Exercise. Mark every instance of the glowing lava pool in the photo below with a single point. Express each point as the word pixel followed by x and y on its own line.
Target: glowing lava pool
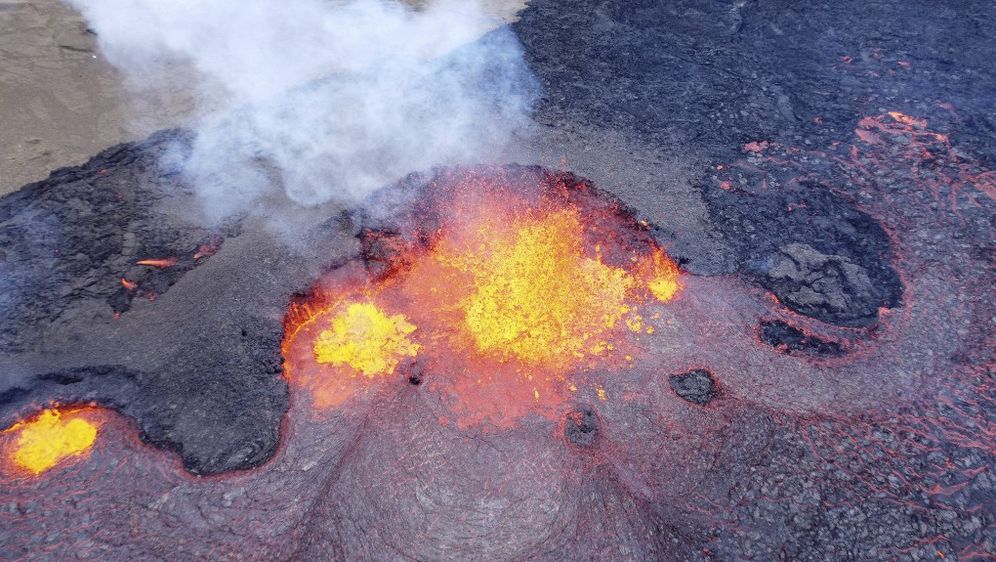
pixel 53 437
pixel 529 281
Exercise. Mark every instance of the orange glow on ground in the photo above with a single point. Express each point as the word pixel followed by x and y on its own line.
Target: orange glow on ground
pixel 515 297
pixel 52 437
pixel 908 120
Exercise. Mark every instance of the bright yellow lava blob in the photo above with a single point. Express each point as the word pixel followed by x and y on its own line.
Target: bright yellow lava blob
pixel 664 284
pixel 536 296
pixel 48 439
pixel 366 339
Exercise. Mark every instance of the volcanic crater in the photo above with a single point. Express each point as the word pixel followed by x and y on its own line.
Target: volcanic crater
pixel 784 353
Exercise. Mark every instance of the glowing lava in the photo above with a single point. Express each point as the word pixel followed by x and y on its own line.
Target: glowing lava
pixel 51 437
pixel 158 263
pixel 366 339
pixel 663 277
pixel 534 296
pixel 518 289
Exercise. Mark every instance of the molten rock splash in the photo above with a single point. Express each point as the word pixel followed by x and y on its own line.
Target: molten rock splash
pixel 503 284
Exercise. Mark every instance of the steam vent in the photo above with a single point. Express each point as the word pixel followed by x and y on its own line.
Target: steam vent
pixel 575 280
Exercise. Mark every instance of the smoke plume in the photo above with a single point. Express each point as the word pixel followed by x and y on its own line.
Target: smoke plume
pixel 326 100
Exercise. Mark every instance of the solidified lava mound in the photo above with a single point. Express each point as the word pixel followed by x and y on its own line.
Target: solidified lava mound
pixel 696 386
pixel 93 236
pixel 789 339
pixel 825 259
pixel 581 427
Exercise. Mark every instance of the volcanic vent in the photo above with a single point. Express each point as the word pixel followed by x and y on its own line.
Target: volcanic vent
pixel 501 288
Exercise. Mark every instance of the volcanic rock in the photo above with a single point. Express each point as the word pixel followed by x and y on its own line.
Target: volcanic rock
pixel 581 427
pixel 908 478
pixel 718 74
pixel 378 248
pixel 70 269
pixel 816 284
pixel 696 386
pixel 789 339
pixel 72 241
pixel 825 258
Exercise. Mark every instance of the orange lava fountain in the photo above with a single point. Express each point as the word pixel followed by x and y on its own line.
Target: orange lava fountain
pixel 513 295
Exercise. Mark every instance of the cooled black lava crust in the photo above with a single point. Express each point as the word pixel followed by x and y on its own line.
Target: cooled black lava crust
pixel 714 75
pixel 68 245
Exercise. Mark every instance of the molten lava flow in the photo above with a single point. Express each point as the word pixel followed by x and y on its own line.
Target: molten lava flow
pixel 516 295
pixel 534 296
pixel 366 339
pixel 908 120
pixel 158 263
pixel 53 436
pixel 208 248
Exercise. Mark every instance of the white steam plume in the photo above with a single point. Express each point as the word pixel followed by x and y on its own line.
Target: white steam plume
pixel 338 97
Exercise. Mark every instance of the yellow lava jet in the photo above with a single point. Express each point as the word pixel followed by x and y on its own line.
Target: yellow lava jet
pixel 518 291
